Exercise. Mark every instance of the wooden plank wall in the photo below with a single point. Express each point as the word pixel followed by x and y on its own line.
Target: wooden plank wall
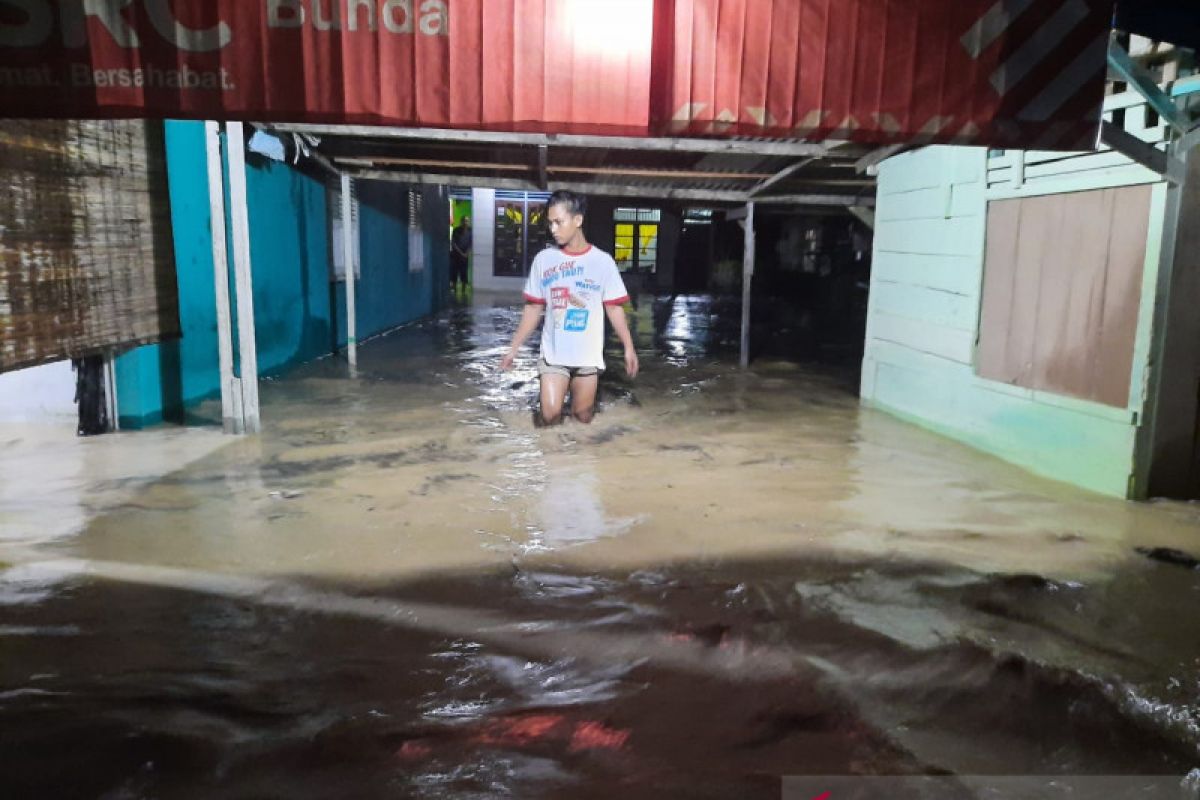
pixel 1062 290
pixel 926 286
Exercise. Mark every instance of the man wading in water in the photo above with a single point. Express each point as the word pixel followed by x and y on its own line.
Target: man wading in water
pixel 576 282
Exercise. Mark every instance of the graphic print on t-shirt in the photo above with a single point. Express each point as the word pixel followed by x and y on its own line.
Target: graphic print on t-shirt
pixel 570 310
pixel 576 320
pixel 559 298
pixel 575 287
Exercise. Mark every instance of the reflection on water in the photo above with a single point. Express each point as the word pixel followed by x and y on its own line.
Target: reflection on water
pixel 405 589
pixel 570 510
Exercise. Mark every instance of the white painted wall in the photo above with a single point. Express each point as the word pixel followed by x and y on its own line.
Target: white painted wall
pixel 483 227
pixel 39 394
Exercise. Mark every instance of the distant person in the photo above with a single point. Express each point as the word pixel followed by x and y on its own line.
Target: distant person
pixel 460 251
pixel 576 281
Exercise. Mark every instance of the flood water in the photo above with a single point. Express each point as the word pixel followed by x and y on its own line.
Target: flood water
pixel 404 589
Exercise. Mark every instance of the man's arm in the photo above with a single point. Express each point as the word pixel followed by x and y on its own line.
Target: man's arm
pixel 616 315
pixel 529 322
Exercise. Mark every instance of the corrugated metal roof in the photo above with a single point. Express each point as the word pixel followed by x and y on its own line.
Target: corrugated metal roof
pixel 678 169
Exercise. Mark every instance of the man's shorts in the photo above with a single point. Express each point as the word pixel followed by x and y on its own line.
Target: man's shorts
pixel 566 372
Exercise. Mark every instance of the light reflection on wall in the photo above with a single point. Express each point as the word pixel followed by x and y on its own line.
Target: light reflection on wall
pixel 614 28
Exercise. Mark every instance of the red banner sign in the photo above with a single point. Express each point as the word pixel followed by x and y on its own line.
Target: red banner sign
pixel 1011 72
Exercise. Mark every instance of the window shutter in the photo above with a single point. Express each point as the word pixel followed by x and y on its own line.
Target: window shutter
pixel 416 231
pixel 337 260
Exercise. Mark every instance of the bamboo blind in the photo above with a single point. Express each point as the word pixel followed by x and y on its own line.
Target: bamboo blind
pixel 86 260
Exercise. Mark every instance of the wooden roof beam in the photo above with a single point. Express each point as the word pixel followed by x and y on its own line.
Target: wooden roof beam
pixel 553 168
pixel 610 189
pixel 794 149
pixel 782 174
pixel 518 184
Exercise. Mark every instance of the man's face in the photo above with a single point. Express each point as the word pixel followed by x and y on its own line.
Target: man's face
pixel 563 224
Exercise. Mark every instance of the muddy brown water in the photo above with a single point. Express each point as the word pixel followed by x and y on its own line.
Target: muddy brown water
pixel 404 589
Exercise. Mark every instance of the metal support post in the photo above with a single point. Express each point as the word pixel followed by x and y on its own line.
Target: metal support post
pixel 351 267
pixel 243 276
pixel 110 391
pixel 747 280
pixel 216 199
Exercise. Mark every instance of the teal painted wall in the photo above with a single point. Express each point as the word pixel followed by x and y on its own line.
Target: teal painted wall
pixel 298 312
pixel 160 381
pixel 923 320
pixel 388 293
pixel 289 251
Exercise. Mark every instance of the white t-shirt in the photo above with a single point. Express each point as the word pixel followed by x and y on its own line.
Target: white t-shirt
pixel 574 287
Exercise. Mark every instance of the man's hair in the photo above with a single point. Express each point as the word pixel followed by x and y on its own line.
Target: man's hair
pixel 573 203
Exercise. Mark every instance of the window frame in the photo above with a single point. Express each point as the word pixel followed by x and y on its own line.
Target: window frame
pixel 638 217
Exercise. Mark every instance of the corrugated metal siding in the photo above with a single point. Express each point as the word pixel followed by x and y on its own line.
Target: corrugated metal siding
pixel 86 257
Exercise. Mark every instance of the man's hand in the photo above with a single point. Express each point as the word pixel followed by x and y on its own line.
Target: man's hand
pixel 530 318
pixel 616 315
